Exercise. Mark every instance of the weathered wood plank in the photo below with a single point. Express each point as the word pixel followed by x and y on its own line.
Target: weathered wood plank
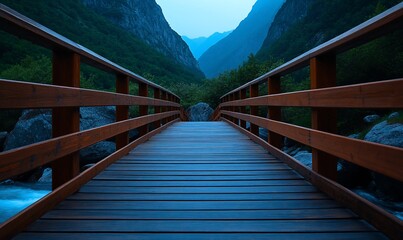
pixel 203 236
pixel 201 215
pixel 263 226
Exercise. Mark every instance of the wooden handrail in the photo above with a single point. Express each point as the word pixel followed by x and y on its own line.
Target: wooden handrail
pixel 65 97
pixel 20 25
pixel 324 98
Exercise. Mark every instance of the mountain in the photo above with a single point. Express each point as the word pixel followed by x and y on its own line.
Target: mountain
pixel 301 25
pixel 200 45
pixel 246 39
pixel 146 21
pixel 290 13
pixel 90 28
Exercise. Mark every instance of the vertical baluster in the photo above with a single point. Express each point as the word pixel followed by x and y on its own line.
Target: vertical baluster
pixel 254 110
pixel 242 95
pixel 143 110
pixel 274 113
pixel 164 108
pixel 66 120
pixel 122 112
pixel 323 74
pixel 236 109
pixel 157 109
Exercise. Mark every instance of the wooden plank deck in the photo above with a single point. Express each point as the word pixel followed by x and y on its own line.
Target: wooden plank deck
pixel 199 180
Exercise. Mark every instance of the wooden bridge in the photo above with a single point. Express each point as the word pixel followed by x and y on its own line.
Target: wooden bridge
pixel 207 180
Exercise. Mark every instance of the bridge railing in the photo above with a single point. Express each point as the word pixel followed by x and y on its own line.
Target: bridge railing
pixel 65 97
pixel 324 98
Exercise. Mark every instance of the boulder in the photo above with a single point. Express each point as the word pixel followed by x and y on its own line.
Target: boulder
pixel 200 112
pixel 36 125
pixel 33 126
pixel 46 176
pixel 304 157
pixel 3 136
pixel 371 118
pixel 393 115
pixel 387 134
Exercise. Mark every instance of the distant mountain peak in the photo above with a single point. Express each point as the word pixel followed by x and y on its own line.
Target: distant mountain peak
pixel 247 38
pixel 146 21
pixel 201 44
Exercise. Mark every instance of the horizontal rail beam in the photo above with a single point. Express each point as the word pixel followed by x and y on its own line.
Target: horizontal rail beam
pixel 374 214
pixel 380 158
pixel 20 160
pixel 15 224
pixel 362 33
pixel 14 94
pixel 384 94
pixel 20 25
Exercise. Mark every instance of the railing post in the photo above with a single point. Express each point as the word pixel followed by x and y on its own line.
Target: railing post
pixel 236 109
pixel 242 95
pixel 157 109
pixel 231 98
pixel 122 112
pixel 323 74
pixel 274 113
pixel 66 120
pixel 143 110
pixel 254 110
pixel 164 108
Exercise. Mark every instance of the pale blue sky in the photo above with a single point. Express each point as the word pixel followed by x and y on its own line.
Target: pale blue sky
pixel 201 18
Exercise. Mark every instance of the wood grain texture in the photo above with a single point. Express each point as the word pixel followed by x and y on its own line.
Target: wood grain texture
pixel 14 95
pixel 365 154
pixel 66 120
pixel 19 222
pixel 388 223
pixel 26 158
pixel 186 199
pixel 383 94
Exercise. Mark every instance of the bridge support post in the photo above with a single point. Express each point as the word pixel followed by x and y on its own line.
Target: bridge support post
pixel 164 109
pixel 242 109
pixel 274 113
pixel 122 112
pixel 323 74
pixel 236 109
pixel 157 109
pixel 254 110
pixel 65 120
pixel 143 110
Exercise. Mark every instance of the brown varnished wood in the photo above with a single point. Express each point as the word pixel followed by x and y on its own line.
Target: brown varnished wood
pixel 157 109
pixel 383 94
pixel 254 92
pixel 242 95
pixel 274 113
pixel 143 109
pixel 388 223
pixel 65 72
pixel 154 202
pixel 365 154
pixel 49 96
pixel 20 221
pixel 323 74
pixel 122 112
pixel 21 160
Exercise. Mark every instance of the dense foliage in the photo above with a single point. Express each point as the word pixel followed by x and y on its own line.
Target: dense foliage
pixel 88 28
pixel 378 60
